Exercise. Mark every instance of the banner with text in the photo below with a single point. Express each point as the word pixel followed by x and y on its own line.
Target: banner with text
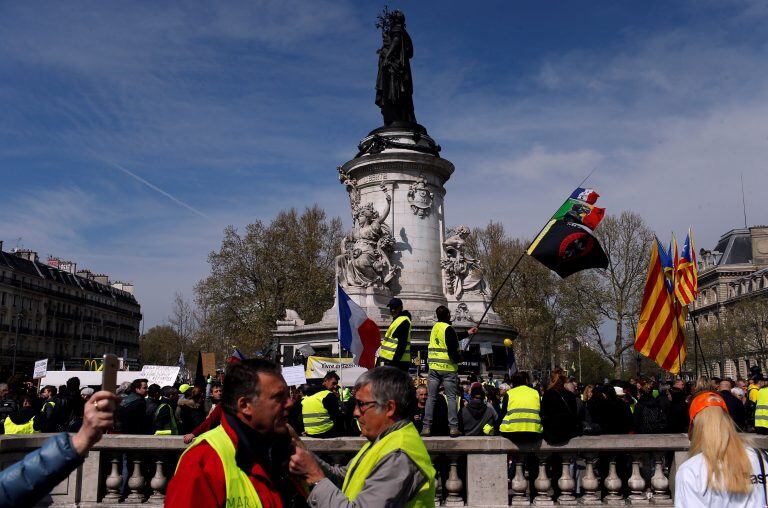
pixel 319 366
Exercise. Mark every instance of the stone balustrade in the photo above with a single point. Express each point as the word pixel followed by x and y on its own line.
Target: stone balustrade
pixel 611 470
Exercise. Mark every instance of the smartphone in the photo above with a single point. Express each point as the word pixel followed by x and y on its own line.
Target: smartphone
pixel 109 373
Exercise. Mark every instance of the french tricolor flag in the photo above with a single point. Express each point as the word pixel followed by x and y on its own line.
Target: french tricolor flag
pixel 358 333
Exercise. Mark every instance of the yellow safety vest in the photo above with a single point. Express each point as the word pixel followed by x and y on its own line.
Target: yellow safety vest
pixel 761 411
pixel 407 440
pixel 752 392
pixel 174 430
pixel 21 428
pixel 240 490
pixel 523 409
pixel 389 344
pixel 315 416
pixel 438 358
pixel 50 403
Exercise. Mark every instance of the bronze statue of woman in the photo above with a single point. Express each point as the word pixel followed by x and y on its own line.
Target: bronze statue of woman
pixel 394 82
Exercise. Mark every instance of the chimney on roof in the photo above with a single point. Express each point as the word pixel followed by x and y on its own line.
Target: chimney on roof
pixel 128 287
pixel 1 246
pixel 68 266
pixel 85 273
pixel 101 279
pixel 29 255
pixel 54 262
pixel 759 236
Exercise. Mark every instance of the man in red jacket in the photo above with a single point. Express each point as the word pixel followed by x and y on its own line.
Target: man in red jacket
pixel 242 462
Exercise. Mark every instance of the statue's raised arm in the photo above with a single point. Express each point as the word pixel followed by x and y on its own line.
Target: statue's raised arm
pixel 385 213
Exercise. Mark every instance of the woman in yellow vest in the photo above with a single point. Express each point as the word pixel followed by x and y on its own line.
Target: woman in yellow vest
pixel 392 469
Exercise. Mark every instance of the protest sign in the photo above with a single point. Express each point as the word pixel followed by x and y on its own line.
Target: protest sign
pixel 209 364
pixel 162 375
pixel 486 348
pixel 349 376
pixel 294 376
pixel 319 366
pixel 41 368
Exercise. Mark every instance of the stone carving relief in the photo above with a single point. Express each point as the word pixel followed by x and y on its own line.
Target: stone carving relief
pixel 420 197
pixel 463 274
pixel 366 250
pixel 462 313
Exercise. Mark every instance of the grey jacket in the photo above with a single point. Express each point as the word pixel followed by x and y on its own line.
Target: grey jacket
pixel 394 480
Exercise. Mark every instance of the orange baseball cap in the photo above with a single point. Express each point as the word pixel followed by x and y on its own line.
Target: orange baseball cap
pixel 703 400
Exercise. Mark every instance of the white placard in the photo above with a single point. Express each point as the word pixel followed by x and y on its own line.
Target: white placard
pixel 163 375
pixel 87 377
pixel 319 366
pixel 41 369
pixel 349 376
pixel 464 344
pixel 486 348
pixel 294 376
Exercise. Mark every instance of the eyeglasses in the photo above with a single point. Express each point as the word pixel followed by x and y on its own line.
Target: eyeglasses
pixel 362 405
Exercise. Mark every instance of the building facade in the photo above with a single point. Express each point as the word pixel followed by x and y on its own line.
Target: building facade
pixel 735 270
pixel 52 310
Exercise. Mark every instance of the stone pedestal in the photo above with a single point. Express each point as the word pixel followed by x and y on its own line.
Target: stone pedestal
pixel 403 162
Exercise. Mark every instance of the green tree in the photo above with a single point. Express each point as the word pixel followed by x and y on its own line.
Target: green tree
pixel 160 345
pixel 538 303
pixel 256 275
pixel 613 295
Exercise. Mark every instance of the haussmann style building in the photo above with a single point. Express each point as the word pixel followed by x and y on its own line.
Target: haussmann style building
pixel 53 310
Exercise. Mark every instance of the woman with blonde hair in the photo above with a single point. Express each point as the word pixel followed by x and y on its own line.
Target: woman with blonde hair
pixel 723 470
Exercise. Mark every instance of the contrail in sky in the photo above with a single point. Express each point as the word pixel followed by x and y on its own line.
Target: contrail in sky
pixel 156 189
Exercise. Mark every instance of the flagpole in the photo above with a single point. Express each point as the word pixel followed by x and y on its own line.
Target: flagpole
pixel 520 258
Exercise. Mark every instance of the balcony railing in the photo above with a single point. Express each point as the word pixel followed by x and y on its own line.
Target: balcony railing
pixel 610 470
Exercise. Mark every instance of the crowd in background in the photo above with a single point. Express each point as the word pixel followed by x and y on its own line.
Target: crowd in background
pixel 568 408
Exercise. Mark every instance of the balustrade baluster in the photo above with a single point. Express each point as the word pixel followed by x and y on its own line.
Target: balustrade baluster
pixel 567 484
pixel 454 484
pixel 158 484
pixel 519 484
pixel 636 483
pixel 543 485
pixel 612 483
pixel 590 484
pixel 136 484
pixel 660 483
pixel 438 482
pixel 113 482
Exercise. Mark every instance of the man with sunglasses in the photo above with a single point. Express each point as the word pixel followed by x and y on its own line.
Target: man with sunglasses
pixel 392 469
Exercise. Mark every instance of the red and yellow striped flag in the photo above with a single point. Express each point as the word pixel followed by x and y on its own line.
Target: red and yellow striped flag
pixel 687 273
pixel 660 329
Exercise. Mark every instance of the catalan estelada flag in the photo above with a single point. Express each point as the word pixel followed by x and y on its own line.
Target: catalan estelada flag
pixel 660 329
pixel 687 273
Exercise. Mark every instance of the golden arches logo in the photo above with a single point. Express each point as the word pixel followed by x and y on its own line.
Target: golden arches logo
pixel 93 365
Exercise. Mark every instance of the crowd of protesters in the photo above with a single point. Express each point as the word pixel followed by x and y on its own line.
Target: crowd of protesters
pixel 323 410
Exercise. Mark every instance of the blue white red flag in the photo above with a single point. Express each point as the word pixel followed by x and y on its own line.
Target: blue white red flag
pixel 587 195
pixel 237 356
pixel 358 333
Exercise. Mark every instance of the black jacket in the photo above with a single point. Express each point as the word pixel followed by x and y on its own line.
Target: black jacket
pixel 735 409
pixel 651 414
pixel 132 415
pixel 559 416
pixel 27 481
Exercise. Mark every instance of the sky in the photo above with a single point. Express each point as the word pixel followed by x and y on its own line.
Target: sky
pixel 133 133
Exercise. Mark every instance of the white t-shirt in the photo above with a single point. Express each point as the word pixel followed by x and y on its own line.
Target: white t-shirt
pixel 691 486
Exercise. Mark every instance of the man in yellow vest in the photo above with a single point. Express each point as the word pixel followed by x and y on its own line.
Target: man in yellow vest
pixel 521 407
pixel 321 409
pixel 443 362
pixel 239 463
pixel 392 469
pixel 396 344
pixel 164 416
pixel 761 407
